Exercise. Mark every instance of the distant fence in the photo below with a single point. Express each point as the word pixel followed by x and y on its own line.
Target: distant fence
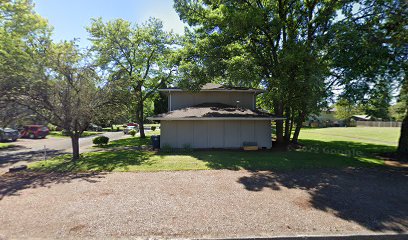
pixel 377 124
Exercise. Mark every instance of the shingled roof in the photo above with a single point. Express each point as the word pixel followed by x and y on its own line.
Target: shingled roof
pixel 214 111
pixel 217 87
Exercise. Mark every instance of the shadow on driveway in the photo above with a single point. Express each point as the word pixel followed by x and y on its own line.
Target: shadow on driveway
pixel 16 155
pixel 374 198
pixel 12 183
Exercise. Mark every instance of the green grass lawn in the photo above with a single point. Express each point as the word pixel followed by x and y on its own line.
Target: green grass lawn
pixel 323 148
pixel 373 135
pixel 116 128
pixel 84 134
pixel 5 145
pixel 152 124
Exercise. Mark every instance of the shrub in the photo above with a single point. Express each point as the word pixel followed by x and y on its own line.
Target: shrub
pixel 65 133
pixel 153 128
pixel 132 132
pixel 117 129
pixel 51 127
pixel 101 140
pixel 166 148
pixel 187 147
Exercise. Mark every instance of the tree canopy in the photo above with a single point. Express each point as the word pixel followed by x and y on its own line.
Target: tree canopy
pixel 139 59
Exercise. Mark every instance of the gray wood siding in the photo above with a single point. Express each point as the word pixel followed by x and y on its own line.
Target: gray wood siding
pixel 200 134
pixel 233 139
pixel 215 134
pixel 178 100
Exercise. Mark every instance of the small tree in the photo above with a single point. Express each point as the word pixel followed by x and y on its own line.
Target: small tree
pixel 66 92
pixel 139 59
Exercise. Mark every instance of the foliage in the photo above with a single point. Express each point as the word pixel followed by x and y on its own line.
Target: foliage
pixel 22 33
pixel 370 55
pixel 100 140
pixel 132 132
pixel 138 60
pixel 153 128
pixel 187 147
pixel 65 133
pixel 166 148
pixel 5 145
pixel 397 111
pixel 65 92
pixel 345 109
pixel 160 104
pixel 275 45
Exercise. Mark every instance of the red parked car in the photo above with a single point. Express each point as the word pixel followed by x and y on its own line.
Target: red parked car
pixel 34 131
pixel 132 124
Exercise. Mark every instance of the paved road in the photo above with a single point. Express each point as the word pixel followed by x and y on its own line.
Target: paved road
pixel 29 150
pixel 203 204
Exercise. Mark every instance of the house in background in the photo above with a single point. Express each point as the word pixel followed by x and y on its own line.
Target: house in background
pixel 214 117
pixel 326 118
pixel 361 118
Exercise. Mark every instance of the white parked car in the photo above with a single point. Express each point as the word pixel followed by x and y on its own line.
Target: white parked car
pixel 130 128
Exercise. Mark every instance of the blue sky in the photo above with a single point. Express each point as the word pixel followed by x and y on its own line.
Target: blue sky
pixel 70 17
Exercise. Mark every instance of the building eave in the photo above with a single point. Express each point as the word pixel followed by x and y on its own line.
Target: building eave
pixel 256 91
pixel 216 118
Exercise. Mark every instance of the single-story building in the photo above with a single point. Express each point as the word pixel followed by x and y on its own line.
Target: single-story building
pixel 214 117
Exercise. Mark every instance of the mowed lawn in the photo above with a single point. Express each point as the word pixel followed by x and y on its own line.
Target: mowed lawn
pixel 84 134
pixel 368 135
pixel 4 145
pixel 321 148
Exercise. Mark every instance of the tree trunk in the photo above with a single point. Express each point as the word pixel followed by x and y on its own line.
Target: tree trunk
pixel 287 126
pixel 299 124
pixel 278 109
pixel 75 146
pixel 140 118
pixel 402 149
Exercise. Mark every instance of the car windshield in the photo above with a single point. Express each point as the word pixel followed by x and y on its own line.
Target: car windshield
pixel 130 127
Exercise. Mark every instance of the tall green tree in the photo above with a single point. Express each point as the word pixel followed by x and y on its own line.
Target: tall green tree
pixel 370 56
pixel 22 32
pixel 138 58
pixel 65 92
pixel 278 45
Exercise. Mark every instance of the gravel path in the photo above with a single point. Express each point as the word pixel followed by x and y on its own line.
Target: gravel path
pixel 203 204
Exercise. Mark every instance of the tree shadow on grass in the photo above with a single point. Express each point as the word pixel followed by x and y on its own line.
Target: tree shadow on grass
pixel 371 197
pixel 62 169
pixel 313 154
pixel 357 149
pixel 108 160
pixel 11 157
pixel 128 142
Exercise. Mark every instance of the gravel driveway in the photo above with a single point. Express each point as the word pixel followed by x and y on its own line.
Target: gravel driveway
pixel 204 204
pixel 30 150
